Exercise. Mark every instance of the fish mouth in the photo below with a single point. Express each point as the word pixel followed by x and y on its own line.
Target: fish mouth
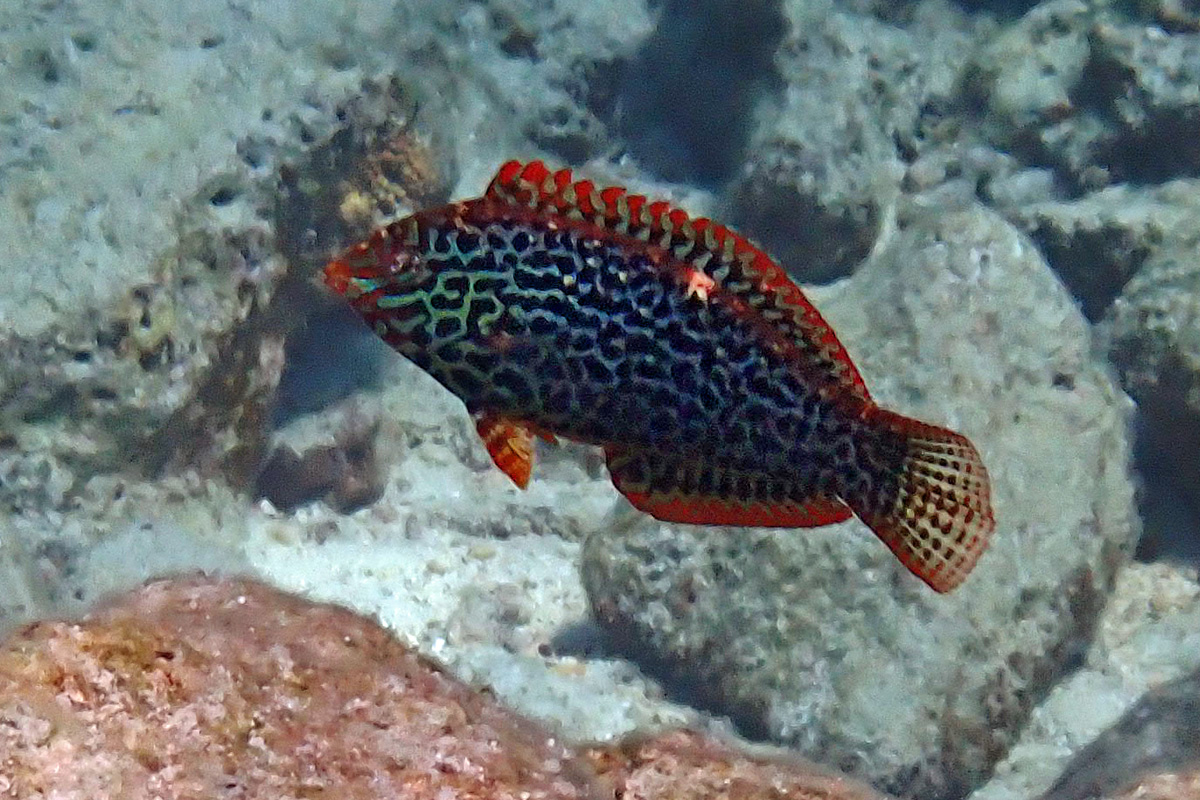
pixel 337 274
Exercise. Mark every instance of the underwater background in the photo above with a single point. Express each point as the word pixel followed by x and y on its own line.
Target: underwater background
pixel 996 205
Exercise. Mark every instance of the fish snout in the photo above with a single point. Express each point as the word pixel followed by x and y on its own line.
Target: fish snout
pixel 336 275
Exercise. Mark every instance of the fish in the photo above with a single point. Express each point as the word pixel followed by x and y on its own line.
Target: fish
pixel 553 307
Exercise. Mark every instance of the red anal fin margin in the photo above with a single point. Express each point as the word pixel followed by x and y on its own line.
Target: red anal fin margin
pixel 510 444
pixel 679 505
pixel 696 510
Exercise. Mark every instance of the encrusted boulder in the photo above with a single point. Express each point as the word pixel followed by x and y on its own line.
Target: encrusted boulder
pixel 1098 97
pixel 197 687
pixel 201 688
pixel 688 765
pixel 861 94
pixel 817 638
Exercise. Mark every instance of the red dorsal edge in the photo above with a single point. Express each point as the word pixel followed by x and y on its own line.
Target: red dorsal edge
pixel 534 186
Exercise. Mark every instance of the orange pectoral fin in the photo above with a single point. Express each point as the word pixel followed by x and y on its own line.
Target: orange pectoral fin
pixel 674 498
pixel 510 444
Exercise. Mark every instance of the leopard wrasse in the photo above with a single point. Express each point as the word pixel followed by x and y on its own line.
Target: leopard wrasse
pixel 719 395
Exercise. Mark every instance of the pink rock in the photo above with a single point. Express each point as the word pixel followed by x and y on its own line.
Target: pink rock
pixel 225 688
pixel 1167 786
pixel 685 765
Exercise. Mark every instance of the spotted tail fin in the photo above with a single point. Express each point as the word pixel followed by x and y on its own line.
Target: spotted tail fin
pixel 940 518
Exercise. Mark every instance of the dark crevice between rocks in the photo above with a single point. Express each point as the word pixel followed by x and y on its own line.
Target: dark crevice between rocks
pixel 1167 439
pixel 1166 147
pixel 686 100
pixel 584 639
pixel 1006 10
pixel 1159 735
pixel 681 680
pixel 1094 265
pixel 815 242
pixel 1141 143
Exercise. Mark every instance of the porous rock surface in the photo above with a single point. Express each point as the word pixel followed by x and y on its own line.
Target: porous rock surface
pixel 686 765
pixel 198 688
pixel 140 182
pixel 1099 242
pixel 139 177
pixel 818 638
pixel 140 197
pixel 1156 742
pixel 825 162
pixel 1148 636
pixel 1095 96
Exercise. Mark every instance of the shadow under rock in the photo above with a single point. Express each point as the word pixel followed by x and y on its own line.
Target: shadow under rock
pixel 582 639
pixel 687 98
pixel 1160 734
pixel 588 639
pixel 330 358
pixel 1167 438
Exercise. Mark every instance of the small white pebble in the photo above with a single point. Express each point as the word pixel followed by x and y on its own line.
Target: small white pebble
pixel 482 551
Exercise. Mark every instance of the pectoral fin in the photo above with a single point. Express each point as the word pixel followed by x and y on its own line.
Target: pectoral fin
pixel 510 444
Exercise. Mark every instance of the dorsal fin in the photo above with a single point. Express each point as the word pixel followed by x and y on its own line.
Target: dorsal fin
pixel 736 265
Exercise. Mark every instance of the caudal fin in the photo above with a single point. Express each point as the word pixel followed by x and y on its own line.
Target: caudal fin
pixel 939 518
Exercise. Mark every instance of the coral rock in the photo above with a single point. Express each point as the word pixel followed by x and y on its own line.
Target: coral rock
pixel 192 688
pixel 1149 750
pixel 818 177
pixel 684 765
pixel 814 639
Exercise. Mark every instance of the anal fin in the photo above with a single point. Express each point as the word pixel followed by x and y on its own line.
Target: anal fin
pixel 510 444
pixel 668 489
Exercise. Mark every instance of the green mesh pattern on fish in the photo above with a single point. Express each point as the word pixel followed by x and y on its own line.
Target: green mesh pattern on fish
pixel 584 335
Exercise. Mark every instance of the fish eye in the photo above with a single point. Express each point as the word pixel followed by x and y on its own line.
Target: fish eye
pixel 405 260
